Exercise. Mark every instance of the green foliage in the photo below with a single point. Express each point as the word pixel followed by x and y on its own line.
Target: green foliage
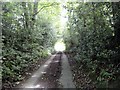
pixel 91 40
pixel 27 37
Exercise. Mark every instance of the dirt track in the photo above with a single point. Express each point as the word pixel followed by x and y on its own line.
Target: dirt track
pixel 54 73
pixel 50 78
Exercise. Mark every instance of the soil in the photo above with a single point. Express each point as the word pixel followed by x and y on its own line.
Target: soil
pixel 81 79
pixel 50 79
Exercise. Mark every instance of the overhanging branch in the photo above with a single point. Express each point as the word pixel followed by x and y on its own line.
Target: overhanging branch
pixel 43 8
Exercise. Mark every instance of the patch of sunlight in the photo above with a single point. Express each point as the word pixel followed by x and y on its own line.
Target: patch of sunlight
pixel 113 34
pixel 34 76
pixel 56 61
pixel 43 72
pixel 59 46
pixel 39 86
pixel 36 86
pixel 45 65
pixel 30 86
pixel 17 82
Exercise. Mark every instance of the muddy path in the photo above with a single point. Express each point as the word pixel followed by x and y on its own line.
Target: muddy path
pixel 55 73
pixel 46 77
pixel 50 78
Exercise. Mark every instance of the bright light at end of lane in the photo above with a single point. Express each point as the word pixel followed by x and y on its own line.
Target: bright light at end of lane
pixel 60 46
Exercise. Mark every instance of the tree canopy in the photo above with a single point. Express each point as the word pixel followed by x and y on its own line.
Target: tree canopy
pixel 90 31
